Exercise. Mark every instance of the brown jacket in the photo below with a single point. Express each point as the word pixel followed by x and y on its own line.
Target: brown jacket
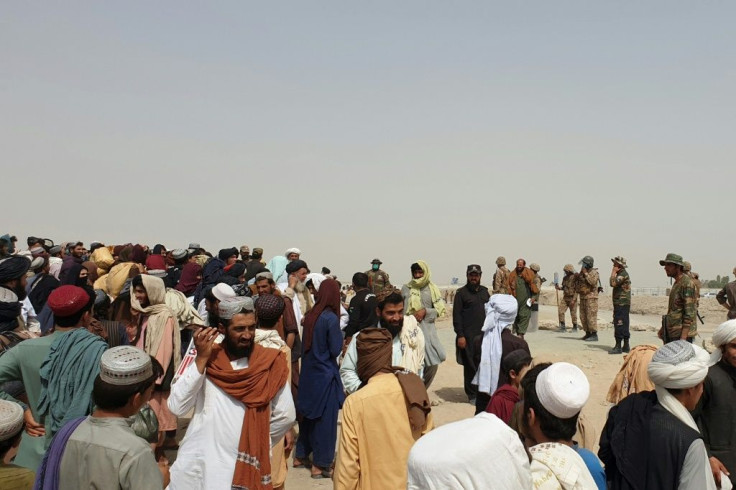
pixel 528 275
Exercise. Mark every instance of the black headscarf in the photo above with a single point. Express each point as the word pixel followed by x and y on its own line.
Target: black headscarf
pixel 72 276
pixel 13 268
pixel 9 311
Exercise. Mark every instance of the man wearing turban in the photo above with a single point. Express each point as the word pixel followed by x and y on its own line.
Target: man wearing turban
pixel 650 439
pixel 715 411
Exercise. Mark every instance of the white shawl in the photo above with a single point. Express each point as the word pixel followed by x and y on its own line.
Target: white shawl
pixel 500 314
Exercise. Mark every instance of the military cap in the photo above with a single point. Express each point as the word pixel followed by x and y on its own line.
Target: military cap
pixel 534 267
pixel 245 249
pixel 587 261
pixel 672 259
pixel 376 261
pixel 258 251
pixel 619 260
pixel 501 261
pixel 569 268
pixel 474 269
pixel 686 266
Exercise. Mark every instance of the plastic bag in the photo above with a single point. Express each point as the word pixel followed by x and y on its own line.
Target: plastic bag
pixel 145 424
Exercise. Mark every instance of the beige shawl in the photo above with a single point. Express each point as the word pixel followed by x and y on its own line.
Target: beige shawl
pixel 158 314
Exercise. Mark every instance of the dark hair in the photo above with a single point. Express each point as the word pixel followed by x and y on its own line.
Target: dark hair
pixel 73 320
pixel 325 271
pixel 415 267
pixel 270 323
pixel 270 280
pixel 392 299
pixel 515 361
pixel 360 279
pixel 137 281
pixel 552 427
pixel 111 397
pixel 8 443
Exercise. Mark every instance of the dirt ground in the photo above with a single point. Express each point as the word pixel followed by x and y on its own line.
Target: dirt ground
pixel 449 399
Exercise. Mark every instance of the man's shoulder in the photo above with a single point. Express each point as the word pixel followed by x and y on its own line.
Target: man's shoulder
pixel 380 385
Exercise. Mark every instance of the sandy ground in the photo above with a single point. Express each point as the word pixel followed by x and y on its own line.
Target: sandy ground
pixel 449 399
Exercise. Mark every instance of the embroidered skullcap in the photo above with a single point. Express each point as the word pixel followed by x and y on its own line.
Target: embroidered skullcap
pixel 294 266
pixel 269 306
pixel 13 268
pixel 264 275
pixel 67 300
pixel 293 251
pixel 223 292
pixel 230 307
pixel 36 251
pixel 125 365
pixel 562 389
pixel 678 364
pixel 11 419
pixel 194 245
pixel 178 253
pixel 724 334
pixel 55 249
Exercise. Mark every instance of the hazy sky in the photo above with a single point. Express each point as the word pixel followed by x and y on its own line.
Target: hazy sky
pixel 453 132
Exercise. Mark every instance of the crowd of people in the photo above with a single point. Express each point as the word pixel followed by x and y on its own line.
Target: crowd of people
pixel 104 349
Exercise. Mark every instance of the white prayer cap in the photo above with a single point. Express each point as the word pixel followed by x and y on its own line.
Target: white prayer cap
pixel 223 291
pixel 178 253
pixel 160 273
pixel 264 275
pixel 8 296
pixel 562 389
pixel 194 246
pixel 230 307
pixel 37 262
pixel 293 251
pixel 11 419
pixel 455 455
pixel 125 365
pixel 678 365
pixel 316 279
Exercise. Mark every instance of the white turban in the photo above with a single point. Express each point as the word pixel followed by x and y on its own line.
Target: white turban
pixel 316 279
pixel 723 335
pixel 293 251
pixel 500 314
pixel 678 365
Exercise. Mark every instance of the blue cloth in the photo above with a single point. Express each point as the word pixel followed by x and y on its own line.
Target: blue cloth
pixel 47 475
pixel 594 466
pixel 46 319
pixel 277 266
pixel 211 274
pixel 67 378
pixel 319 380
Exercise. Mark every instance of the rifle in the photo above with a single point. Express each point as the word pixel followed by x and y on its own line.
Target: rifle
pixel 702 319
pixel 556 282
pixel 600 285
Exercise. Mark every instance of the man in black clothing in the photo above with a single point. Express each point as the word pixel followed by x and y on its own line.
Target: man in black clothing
pixel 362 308
pixel 468 315
pixel 254 266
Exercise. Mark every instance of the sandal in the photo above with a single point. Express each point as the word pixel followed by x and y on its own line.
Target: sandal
pixel 298 463
pixel 322 474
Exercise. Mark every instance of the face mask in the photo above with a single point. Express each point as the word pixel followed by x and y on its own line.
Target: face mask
pixel 375 267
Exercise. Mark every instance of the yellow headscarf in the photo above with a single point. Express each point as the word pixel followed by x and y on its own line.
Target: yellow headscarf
pixel 416 285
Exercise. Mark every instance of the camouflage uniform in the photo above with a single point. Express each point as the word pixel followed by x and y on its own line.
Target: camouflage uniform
pixel 681 312
pixel 378 281
pixel 621 295
pixel 587 287
pixel 569 300
pixel 501 281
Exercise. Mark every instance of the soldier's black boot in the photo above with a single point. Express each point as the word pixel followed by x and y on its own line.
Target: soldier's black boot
pixel 626 347
pixel 617 348
pixel 562 328
pixel 593 337
pixel 587 335
pixel 575 327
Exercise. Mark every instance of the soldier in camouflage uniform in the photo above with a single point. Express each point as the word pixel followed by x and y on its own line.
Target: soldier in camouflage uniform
pixel 680 321
pixel 587 287
pixel 377 279
pixel 621 284
pixel 688 269
pixel 569 298
pixel 501 277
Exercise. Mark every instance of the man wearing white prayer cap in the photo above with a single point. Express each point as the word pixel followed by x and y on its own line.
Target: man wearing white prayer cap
pixel 554 394
pixel 650 439
pixel 715 413
pixel 477 453
pixel 103 450
pixel 11 427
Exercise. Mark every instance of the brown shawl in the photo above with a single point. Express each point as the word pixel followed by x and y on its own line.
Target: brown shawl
pixel 374 356
pixel 528 275
pixel 328 299
pixel 254 386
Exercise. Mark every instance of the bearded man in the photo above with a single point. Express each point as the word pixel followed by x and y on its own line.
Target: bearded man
pixel 407 344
